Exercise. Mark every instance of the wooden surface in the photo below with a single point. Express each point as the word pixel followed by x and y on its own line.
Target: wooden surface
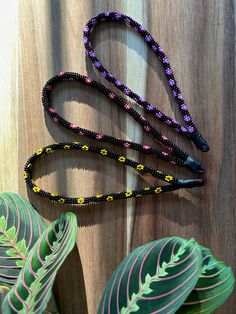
pixel 199 39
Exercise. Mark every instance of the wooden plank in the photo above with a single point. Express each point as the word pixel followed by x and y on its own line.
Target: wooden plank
pixel 198 37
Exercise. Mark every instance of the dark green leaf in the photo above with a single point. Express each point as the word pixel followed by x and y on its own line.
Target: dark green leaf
pixel 20 228
pixel 33 287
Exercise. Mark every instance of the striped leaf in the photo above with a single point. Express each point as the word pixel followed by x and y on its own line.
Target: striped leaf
pixel 32 290
pixel 20 228
pixel 154 278
pixel 214 286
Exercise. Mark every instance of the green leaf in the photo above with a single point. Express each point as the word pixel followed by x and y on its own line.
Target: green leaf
pixel 20 228
pixel 32 290
pixel 156 277
pixel 215 284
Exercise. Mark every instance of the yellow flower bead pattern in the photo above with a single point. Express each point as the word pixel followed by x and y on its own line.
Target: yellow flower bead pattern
pixel 85 147
pixel 80 200
pixel 128 193
pixel 140 167
pixel 104 152
pixel 36 189
pixel 39 151
pixel 110 198
pixel 66 147
pixel 168 178
pixel 48 150
pixel 61 200
pixel 158 190
pixel 25 175
pixel 122 159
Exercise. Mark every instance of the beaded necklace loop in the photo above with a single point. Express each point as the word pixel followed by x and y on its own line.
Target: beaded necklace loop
pixel 191 130
pixel 173 154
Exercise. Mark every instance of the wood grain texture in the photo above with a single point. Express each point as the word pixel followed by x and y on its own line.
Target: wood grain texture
pixel 199 39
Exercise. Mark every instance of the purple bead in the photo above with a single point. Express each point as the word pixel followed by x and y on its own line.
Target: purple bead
pixel 107 13
pixel 86 52
pixel 141 28
pixel 104 73
pixel 86 28
pixel 117 15
pixel 118 83
pixel 92 54
pixel 177 130
pixel 183 129
pixel 94 20
pixel 148 38
pixel 154 48
pixel 160 49
pixel 159 115
pixel 85 40
pixel 165 60
pixel 168 122
pixel 169 71
pixel 187 118
pixel 127 91
pixel 180 96
pixel 184 107
pixel 190 129
pixel 171 82
pixel 127 21
pixel 97 64
pixel 174 93
pixel 141 99
pixel 150 107
pixel 110 75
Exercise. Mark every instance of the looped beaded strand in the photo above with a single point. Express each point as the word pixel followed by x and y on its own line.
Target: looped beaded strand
pixel 191 130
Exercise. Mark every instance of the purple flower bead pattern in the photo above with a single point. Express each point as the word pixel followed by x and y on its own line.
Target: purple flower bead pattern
pixel 187 118
pixel 190 129
pixel 171 82
pixel 169 71
pixel 150 107
pixel 184 107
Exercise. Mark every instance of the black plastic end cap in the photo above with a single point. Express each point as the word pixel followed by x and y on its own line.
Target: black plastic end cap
pixel 200 142
pixel 193 164
pixel 190 183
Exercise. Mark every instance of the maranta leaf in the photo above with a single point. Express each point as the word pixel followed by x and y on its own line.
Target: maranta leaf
pixel 215 284
pixel 154 278
pixel 32 290
pixel 20 228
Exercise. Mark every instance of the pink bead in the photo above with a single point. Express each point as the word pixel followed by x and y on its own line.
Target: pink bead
pixel 147 128
pixel 164 154
pixel 127 145
pixel 170 149
pixel 146 147
pixel 112 95
pixel 81 133
pixel 49 88
pixel 127 106
pixel 142 118
pixel 164 138
pixel 51 110
pixel 61 73
pixel 73 126
pixel 99 136
pixel 88 80
pixel 173 162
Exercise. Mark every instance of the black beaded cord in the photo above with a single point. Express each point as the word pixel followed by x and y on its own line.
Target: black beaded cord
pixel 191 130
pixel 173 153
pixel 42 152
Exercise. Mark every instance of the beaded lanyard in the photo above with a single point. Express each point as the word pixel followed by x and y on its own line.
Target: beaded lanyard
pixel 174 154
pixel 191 131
